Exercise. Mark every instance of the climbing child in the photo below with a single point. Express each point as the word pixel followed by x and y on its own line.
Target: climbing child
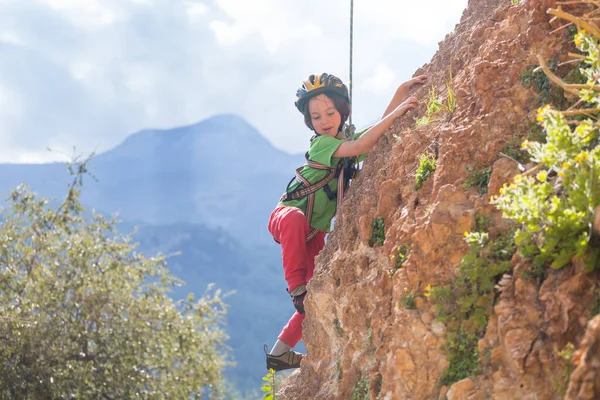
pixel 303 215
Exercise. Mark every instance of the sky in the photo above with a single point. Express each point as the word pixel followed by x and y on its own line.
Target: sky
pixel 78 76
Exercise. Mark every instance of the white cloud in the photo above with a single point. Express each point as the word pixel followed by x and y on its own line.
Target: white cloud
pixel 10 37
pixel 84 13
pixel 87 73
pixel 381 79
pixel 195 10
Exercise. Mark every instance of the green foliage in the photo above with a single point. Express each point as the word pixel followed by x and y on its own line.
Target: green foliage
pixel 515 2
pixel 537 79
pixel 399 258
pixel 84 316
pixel 555 216
pixel 407 299
pixel 465 305
pixel 361 390
pixel 482 222
pixel 479 178
pixel 338 368
pixel 378 233
pixel 338 327
pixel 555 212
pixel 571 31
pixel 450 105
pixel 561 384
pixel 434 105
pixel 423 121
pixel 269 387
pixel 461 348
pixel 427 165
pixel 515 149
pixel 368 341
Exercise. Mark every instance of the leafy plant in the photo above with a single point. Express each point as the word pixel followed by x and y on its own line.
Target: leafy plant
pixel 479 178
pixel 422 121
pixel 463 357
pixel 427 165
pixel 269 387
pixel 554 209
pixel 514 148
pixel 434 104
pixel 338 327
pixel 450 105
pixel 541 84
pixel 482 222
pixel 555 216
pixel 466 303
pixel 561 384
pixel 361 390
pixel 399 258
pixel 378 232
pixel 368 342
pixel 84 316
pixel 407 299
pixel 338 368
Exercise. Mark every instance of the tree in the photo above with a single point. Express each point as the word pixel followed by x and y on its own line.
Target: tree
pixel 83 316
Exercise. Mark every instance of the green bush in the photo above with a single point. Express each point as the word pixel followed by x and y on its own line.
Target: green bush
pixel 378 232
pixel 84 316
pixel 408 299
pixel 400 256
pixel 466 304
pixel 514 149
pixel 537 79
pixel 361 390
pixel 479 178
pixel 426 168
pixel 554 209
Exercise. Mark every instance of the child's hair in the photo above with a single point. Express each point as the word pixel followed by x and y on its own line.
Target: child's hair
pixel 340 104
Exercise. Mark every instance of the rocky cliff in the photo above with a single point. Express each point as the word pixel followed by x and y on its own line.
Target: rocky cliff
pixel 372 329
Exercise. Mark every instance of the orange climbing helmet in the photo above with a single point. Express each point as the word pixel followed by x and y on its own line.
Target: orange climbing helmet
pixel 317 84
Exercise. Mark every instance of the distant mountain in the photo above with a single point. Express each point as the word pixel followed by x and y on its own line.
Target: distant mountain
pixel 219 172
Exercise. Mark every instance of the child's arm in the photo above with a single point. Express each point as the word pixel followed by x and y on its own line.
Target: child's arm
pixel 402 93
pixel 367 141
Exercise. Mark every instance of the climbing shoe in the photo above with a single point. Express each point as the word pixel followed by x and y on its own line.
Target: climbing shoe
pixel 289 359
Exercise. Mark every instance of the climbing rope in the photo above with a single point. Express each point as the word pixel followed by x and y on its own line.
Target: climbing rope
pixel 348 131
pixel 351 44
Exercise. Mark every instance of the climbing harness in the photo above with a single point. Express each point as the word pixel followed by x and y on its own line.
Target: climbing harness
pixel 307 190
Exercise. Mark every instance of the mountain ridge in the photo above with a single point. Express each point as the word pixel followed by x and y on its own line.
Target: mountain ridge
pixel 220 172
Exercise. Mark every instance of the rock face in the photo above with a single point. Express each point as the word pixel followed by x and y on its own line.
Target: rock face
pixel 359 332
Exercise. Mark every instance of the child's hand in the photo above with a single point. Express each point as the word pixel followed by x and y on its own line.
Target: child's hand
pixel 418 80
pixel 407 105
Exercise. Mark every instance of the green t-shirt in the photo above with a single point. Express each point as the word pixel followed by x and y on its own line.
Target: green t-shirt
pixel 321 150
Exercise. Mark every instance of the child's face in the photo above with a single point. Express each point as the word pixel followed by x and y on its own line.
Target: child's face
pixel 325 118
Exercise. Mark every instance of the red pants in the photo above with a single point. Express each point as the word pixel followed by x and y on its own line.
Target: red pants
pixel 289 227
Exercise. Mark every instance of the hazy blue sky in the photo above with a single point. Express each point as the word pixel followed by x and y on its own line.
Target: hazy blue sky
pixel 88 73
